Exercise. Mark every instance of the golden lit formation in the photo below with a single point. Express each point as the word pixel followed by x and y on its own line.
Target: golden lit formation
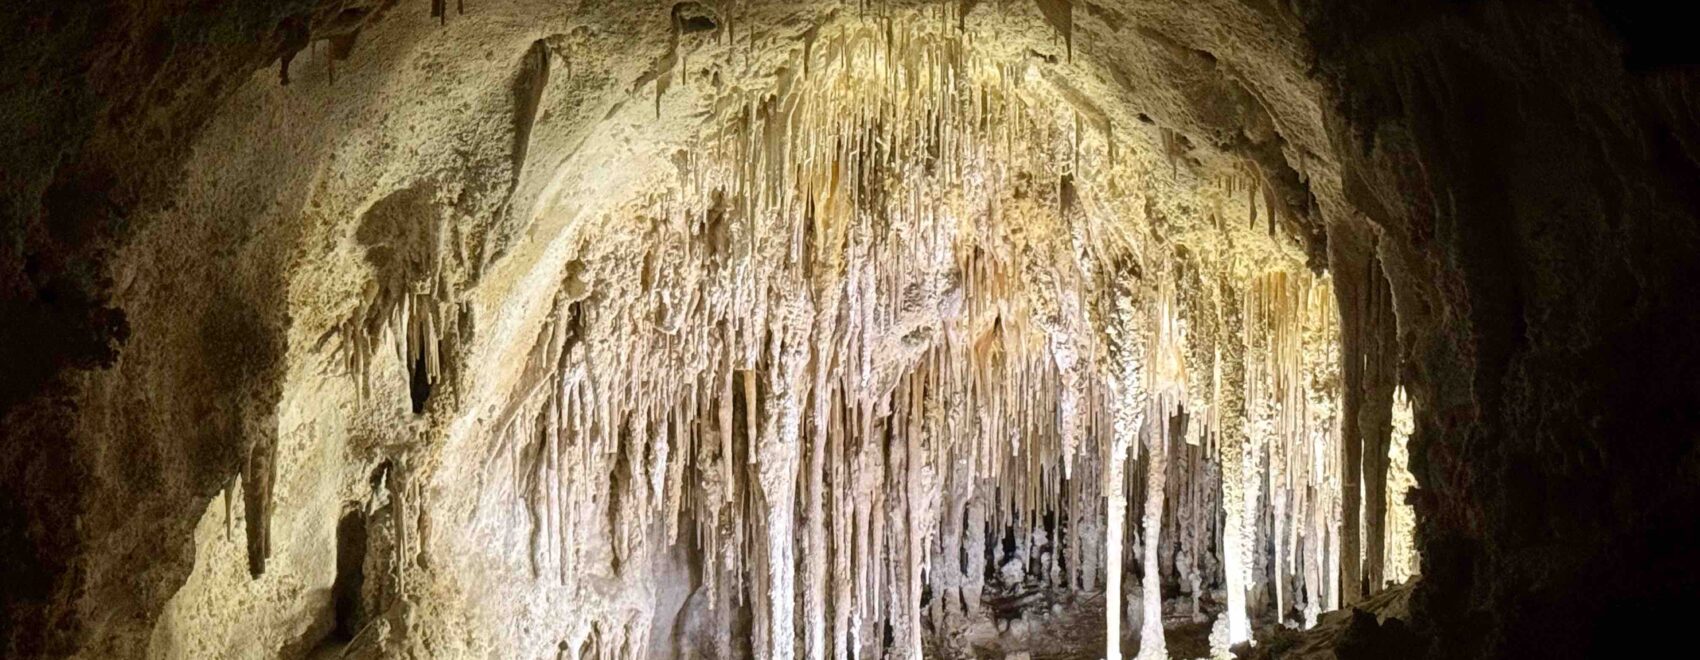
pixel 906 308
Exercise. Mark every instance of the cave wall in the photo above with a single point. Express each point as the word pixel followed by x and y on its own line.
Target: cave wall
pixel 236 243
pixel 1526 172
pixel 1530 172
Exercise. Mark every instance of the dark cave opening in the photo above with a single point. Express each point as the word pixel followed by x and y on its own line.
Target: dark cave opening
pixel 419 383
pixel 347 589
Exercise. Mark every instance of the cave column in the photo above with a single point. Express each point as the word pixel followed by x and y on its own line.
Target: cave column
pixel 1151 643
pixel 1375 418
pixel 1116 511
pixel 1369 354
pixel 1348 257
pixel 777 457
pixel 1232 447
pixel 1129 390
pixel 823 409
pixel 1159 400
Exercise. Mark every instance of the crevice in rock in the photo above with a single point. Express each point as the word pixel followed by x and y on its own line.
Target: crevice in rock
pixel 348 589
pixel 419 383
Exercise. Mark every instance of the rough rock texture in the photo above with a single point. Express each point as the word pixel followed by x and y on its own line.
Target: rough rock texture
pixel 1375 627
pixel 1532 170
pixel 417 353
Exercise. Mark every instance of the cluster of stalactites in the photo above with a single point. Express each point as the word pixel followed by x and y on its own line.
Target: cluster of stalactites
pixel 1245 368
pixel 1291 466
pixel 415 321
pixel 966 445
pixel 858 344
pixel 854 336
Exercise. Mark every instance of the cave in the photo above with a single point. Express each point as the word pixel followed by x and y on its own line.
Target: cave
pixel 848 329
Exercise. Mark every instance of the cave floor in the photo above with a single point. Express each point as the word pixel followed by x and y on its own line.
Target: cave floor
pixel 1067 629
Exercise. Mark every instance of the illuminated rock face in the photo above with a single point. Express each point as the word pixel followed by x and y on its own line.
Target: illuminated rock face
pixel 518 328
